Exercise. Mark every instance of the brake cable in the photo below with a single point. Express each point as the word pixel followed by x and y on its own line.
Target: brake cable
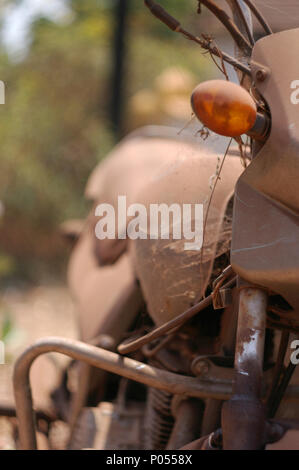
pixel 166 328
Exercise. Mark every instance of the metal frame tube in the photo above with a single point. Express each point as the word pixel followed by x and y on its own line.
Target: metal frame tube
pixel 106 360
pixel 243 416
pixel 250 341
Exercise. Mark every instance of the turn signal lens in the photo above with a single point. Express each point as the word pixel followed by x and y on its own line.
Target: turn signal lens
pixel 224 107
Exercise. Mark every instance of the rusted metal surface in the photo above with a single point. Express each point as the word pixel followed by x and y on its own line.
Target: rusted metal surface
pixel 250 339
pixel 243 416
pixel 106 360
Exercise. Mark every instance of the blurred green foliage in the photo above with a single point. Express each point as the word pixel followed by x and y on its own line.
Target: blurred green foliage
pixel 55 125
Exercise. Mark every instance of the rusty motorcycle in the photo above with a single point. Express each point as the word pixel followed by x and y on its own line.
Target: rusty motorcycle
pixel 187 349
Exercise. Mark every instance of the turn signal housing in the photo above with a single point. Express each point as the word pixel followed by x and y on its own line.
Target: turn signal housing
pixel 224 107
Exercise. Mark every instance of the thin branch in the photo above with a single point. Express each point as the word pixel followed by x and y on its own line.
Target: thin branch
pixel 222 68
pixel 259 16
pixel 215 51
pixel 229 24
pixel 175 26
pixel 218 173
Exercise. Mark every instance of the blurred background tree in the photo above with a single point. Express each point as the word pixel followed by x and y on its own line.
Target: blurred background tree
pixel 56 123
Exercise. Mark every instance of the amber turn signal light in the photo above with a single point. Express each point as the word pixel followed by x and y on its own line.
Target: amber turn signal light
pixel 224 107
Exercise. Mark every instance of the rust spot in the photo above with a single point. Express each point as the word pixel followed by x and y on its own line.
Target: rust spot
pixel 245 337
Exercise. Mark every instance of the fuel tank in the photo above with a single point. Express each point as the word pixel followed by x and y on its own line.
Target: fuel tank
pixel 100 272
pixel 129 167
pixel 154 164
pixel 171 276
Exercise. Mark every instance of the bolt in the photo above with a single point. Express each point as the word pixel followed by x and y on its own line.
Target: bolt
pixel 261 75
pixel 200 367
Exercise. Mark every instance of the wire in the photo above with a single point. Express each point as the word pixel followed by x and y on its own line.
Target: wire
pixel 218 173
pixel 128 347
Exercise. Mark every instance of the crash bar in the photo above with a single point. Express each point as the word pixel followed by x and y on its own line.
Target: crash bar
pixel 102 359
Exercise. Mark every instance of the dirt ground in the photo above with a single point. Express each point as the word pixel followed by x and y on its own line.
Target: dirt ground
pixel 33 313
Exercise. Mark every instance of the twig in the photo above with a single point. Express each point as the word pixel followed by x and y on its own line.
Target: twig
pixel 218 172
pixel 241 146
pixel 187 124
pixel 175 26
pixel 226 20
pixel 259 16
pixel 222 68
